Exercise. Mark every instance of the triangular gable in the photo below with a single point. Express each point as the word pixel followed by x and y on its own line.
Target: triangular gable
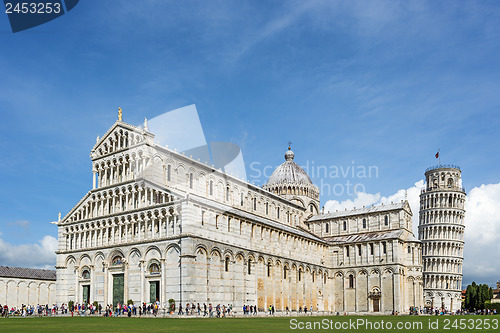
pixel 124 134
pixel 147 183
pixel 75 208
pixel 406 206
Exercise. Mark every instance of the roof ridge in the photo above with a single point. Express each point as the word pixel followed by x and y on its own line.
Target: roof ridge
pixel 359 211
pixel 28 273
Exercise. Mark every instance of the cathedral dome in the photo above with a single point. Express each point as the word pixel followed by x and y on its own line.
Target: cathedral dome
pixel 291 182
pixel 289 173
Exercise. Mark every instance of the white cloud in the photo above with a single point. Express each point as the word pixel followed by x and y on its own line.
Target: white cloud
pixel 482 226
pixel 362 199
pixel 482 234
pixel 24 224
pixel 38 255
pixel 275 26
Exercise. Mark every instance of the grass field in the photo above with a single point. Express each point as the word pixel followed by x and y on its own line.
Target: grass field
pixel 274 324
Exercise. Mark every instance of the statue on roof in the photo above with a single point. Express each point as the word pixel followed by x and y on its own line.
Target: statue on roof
pixel 120 114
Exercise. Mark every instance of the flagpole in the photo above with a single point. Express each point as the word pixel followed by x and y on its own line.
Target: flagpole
pixel 439 155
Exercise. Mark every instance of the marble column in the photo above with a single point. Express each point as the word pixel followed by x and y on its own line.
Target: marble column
pixel 163 291
pixel 125 283
pixel 141 265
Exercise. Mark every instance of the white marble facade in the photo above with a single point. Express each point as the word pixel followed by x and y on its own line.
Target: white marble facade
pixel 27 286
pixel 441 230
pixel 163 225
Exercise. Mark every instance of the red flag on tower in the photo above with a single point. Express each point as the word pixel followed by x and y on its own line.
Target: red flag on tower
pixel 437 154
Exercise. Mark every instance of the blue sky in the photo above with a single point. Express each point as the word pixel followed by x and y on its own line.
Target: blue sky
pixel 380 83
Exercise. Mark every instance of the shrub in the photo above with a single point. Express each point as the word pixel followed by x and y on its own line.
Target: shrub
pixel 130 302
pixel 492 306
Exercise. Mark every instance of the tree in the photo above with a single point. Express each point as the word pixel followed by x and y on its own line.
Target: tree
pixel 473 299
pixel 468 298
pixel 476 296
pixel 480 297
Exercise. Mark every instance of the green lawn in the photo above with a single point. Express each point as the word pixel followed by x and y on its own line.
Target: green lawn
pixel 275 324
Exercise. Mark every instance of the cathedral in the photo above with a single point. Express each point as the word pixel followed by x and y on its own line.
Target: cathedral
pixel 160 225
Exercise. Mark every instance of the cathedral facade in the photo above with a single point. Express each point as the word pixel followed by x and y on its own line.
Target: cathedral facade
pixel 160 225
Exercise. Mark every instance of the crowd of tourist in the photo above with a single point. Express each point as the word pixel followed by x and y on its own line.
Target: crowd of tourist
pixel 443 311
pixel 482 312
pixel 189 309
pixel 30 310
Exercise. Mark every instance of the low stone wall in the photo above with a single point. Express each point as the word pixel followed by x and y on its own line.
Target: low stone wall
pixel 18 291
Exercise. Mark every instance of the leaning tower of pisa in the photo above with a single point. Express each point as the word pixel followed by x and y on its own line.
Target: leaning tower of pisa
pixel 441 230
